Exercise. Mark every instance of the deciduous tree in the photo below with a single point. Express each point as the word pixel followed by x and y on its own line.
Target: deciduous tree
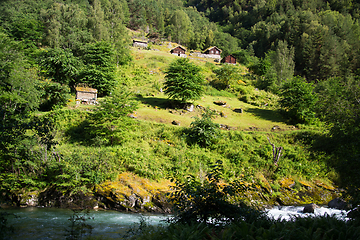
pixel 183 81
pixel 298 99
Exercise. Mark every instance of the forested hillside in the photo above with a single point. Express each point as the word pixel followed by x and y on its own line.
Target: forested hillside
pixel 301 60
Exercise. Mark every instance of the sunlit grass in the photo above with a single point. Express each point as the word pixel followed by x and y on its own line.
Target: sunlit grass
pixel 154 109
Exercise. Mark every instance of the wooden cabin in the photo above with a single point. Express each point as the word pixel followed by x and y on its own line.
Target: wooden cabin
pixel 213 51
pixel 86 95
pixel 229 59
pixel 140 43
pixel 179 51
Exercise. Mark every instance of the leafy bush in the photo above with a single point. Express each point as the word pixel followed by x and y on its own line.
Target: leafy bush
pixel 109 112
pixel 225 75
pixel 257 97
pixel 207 200
pixel 209 90
pixel 203 130
pixel 298 100
pixel 53 95
pixel 60 65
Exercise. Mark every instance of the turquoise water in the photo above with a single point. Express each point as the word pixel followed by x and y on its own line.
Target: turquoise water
pixel 53 223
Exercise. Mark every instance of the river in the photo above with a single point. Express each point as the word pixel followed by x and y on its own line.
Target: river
pixel 53 223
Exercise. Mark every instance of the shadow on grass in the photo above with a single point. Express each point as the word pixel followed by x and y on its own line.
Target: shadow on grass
pixel 271 115
pixel 79 133
pixel 160 102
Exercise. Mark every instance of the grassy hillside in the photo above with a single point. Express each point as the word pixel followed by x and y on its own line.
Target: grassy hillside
pixel 151 147
pixel 146 74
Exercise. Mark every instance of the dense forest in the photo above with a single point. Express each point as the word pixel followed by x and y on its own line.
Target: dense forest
pixel 307 52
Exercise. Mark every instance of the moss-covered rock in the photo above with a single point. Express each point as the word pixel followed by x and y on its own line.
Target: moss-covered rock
pixel 132 193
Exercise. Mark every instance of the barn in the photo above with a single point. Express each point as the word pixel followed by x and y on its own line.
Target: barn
pixel 229 59
pixel 179 51
pixel 213 51
pixel 140 43
pixel 86 95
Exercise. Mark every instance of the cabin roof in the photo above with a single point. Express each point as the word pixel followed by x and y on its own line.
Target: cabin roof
pixel 139 40
pixel 179 47
pixel 86 89
pixel 213 47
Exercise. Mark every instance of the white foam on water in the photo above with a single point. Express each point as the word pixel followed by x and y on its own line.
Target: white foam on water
pixel 288 212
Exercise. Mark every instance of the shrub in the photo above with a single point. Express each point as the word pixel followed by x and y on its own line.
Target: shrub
pixel 298 100
pixel 207 200
pixel 203 130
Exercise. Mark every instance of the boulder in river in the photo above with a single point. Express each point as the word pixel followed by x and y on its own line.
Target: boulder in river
pixel 337 203
pixel 310 208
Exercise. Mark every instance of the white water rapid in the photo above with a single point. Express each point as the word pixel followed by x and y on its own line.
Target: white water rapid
pixel 287 212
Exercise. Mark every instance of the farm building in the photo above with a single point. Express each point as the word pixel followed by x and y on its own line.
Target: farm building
pixel 179 50
pixel 140 43
pixel 86 95
pixel 229 59
pixel 212 51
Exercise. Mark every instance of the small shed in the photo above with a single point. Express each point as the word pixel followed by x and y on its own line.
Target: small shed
pixel 213 51
pixel 179 50
pixel 140 43
pixel 229 59
pixel 86 95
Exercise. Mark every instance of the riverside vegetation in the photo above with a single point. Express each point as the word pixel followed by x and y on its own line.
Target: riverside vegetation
pixel 285 121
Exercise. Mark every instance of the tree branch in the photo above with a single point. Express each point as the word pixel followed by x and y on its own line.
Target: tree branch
pixel 276 152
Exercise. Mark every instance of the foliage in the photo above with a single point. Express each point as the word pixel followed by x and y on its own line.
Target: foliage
pixel 5 229
pixel 262 66
pixel 257 97
pixel 245 57
pixel 203 130
pixel 99 67
pixel 224 76
pixel 112 110
pixel 95 66
pixel 78 226
pixel 226 43
pixel 18 98
pixel 298 100
pixel 83 40
pixel 315 228
pixel 183 81
pixel 181 27
pixel 207 200
pixel 339 106
pixel 283 62
pixel 60 65
pixel 54 95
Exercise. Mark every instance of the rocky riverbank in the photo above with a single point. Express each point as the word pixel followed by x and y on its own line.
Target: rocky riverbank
pixel 135 194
